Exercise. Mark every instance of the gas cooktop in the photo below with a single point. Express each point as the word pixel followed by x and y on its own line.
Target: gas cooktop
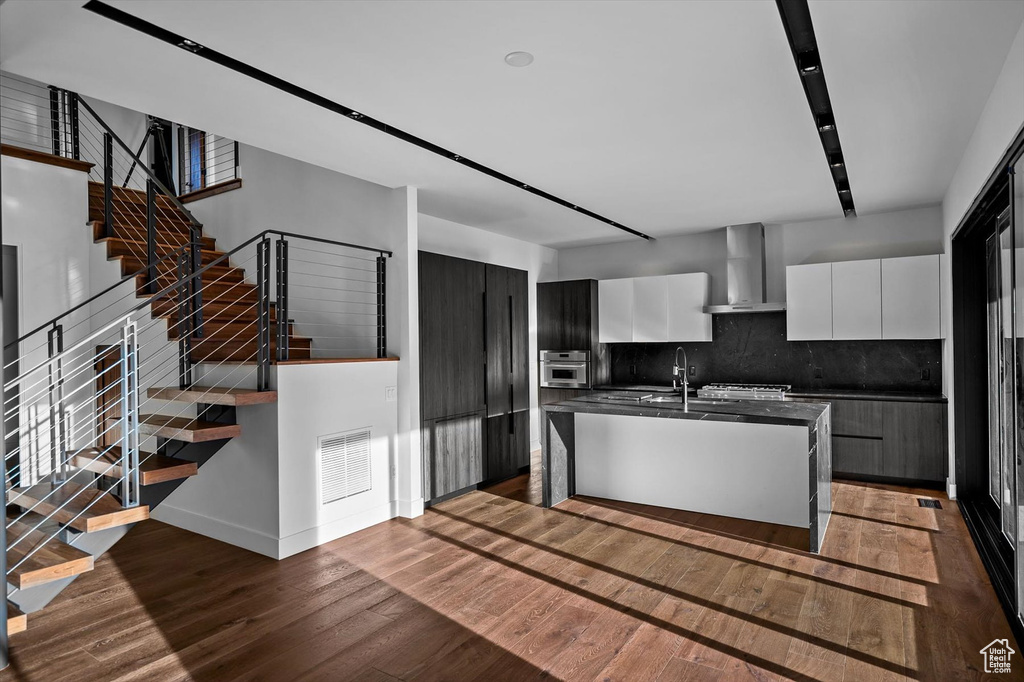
pixel 745 391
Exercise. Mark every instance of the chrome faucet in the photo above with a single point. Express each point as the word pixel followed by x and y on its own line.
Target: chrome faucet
pixel 680 371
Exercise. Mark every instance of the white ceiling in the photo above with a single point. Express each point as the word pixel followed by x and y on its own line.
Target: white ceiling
pixel 669 117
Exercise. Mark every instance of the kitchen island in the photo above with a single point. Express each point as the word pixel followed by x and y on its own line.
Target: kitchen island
pixel 763 460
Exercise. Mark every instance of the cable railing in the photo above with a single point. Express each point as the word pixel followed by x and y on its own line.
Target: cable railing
pixel 204 160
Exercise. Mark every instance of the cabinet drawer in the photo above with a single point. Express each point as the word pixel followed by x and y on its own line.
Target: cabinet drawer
pixel 857 456
pixel 858 418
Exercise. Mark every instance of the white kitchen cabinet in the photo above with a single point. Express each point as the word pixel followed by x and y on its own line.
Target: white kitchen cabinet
pixel 687 296
pixel 857 299
pixel 809 302
pixel 650 309
pixel 911 298
pixel 615 308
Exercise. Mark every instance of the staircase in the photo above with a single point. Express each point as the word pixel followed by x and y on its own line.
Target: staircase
pixel 230 328
pixel 141 426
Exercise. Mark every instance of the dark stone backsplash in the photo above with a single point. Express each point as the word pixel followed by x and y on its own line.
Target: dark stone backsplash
pixel 752 348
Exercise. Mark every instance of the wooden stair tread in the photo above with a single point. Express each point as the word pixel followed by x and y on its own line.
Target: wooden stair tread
pixel 214 395
pixel 94 509
pixel 186 429
pixel 16 620
pixel 51 559
pixel 153 468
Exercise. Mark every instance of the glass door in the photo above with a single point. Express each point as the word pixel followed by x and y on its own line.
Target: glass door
pixel 1002 410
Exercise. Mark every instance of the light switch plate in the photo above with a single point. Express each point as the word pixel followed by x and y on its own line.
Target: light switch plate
pixel 390 394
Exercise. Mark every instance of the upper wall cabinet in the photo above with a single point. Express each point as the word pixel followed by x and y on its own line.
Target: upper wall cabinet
pixel 667 308
pixel 615 310
pixel 891 298
pixel 857 299
pixel 809 302
pixel 687 296
pixel 650 309
pixel 910 298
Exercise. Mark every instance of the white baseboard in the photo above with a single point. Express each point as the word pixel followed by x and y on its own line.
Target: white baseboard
pixel 314 537
pixel 410 509
pixel 239 536
pixel 950 489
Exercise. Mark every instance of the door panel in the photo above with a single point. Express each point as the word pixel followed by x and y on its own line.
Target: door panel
pixel 451 335
pixel 455 452
pixel 857 455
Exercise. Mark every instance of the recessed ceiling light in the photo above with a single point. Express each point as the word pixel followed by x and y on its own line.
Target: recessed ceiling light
pixel 519 59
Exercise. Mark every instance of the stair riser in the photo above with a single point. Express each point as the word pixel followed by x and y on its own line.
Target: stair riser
pixel 163 236
pixel 119 247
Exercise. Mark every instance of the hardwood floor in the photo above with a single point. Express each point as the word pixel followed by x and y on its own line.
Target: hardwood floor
pixel 490 586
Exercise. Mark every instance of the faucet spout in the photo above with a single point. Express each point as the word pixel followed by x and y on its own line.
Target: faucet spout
pixel 679 372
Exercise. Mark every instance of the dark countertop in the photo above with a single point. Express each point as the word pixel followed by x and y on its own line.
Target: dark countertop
pixel 858 394
pixel 822 393
pixel 752 411
pixel 637 387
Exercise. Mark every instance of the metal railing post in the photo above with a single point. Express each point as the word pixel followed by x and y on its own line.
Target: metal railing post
pixel 54 119
pixel 236 159
pixel 129 460
pixel 151 275
pixel 282 299
pixel 108 185
pixel 184 323
pixel 382 323
pixel 55 388
pixel 76 151
pixel 196 258
pixel 263 314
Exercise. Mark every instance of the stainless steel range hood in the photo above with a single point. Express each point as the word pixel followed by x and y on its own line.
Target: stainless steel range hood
pixel 745 271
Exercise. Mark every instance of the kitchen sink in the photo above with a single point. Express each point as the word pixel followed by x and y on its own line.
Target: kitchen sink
pixel 665 399
pixel 696 402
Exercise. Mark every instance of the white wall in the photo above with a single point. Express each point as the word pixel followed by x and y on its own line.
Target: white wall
pixel 45 209
pixel 541 264
pixel 912 232
pixel 900 233
pixel 999 122
pixel 699 252
pixel 322 400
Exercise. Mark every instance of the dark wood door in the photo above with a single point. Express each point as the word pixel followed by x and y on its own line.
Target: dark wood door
pixel 508 445
pixel 451 335
pixel 498 323
pixel 453 453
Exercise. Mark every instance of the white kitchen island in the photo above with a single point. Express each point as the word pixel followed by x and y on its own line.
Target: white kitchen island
pixel 764 461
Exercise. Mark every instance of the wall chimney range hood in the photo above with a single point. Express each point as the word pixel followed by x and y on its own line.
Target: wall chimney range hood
pixel 745 270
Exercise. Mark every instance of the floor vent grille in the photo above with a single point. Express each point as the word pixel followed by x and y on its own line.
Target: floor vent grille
pixel 934 504
pixel 344 465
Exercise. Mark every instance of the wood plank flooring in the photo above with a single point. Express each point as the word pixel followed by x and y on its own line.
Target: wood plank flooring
pixel 490 586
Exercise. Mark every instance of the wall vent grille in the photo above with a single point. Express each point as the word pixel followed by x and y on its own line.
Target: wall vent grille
pixel 344 465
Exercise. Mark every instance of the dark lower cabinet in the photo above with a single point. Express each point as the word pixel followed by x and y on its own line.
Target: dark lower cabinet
pixel 453 453
pixel 857 456
pixel 898 441
pixel 508 445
